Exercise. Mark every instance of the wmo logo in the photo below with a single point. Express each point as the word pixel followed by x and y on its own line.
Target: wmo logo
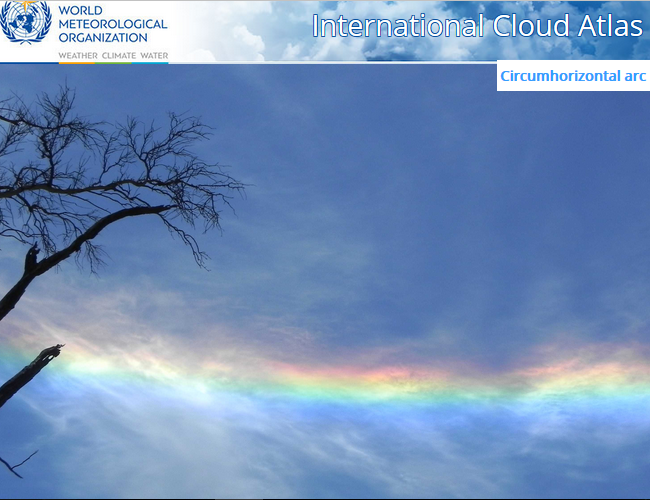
pixel 25 21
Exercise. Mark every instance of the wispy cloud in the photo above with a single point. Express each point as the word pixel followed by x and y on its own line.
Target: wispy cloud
pixel 131 409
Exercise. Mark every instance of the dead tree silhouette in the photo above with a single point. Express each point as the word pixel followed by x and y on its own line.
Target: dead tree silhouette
pixel 64 179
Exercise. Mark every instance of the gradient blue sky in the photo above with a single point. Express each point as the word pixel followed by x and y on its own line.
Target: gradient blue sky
pixel 397 215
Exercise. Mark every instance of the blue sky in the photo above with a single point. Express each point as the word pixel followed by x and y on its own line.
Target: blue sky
pixel 403 216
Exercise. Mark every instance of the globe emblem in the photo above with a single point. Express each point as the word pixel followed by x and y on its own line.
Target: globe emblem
pixel 25 22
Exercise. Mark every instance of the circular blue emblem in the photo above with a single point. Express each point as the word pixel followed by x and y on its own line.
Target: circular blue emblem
pixel 25 22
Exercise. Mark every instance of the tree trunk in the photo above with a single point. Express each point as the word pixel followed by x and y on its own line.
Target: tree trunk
pixel 12 297
pixel 24 376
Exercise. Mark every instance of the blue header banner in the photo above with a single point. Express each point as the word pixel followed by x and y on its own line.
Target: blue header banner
pixel 206 32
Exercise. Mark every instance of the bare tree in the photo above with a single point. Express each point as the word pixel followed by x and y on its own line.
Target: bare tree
pixel 65 178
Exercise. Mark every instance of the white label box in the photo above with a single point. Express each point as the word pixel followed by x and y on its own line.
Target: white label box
pixel 575 75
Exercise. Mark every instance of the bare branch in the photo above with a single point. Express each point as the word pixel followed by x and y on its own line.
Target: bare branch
pixel 26 460
pixel 13 468
pixel 24 376
pixel 63 179
pixel 35 269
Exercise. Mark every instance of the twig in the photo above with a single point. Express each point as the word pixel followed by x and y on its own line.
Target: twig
pixel 12 469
